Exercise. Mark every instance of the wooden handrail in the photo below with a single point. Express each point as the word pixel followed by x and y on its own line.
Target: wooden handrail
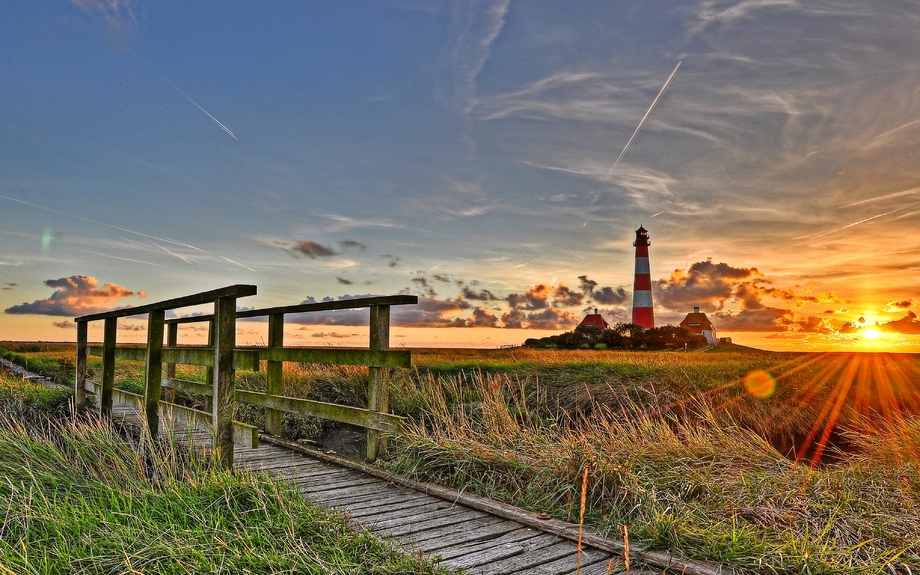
pixel 222 358
pixel 233 291
pixel 356 303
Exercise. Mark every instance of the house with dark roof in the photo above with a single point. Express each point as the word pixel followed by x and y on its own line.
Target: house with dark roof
pixel 595 319
pixel 698 323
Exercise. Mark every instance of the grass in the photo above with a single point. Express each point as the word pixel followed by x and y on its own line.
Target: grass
pixel 677 450
pixel 77 498
pixel 766 462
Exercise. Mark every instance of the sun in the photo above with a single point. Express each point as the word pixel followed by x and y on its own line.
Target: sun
pixel 871 333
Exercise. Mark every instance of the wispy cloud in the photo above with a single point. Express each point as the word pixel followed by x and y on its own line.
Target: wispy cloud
pixel 117 15
pixel 81 218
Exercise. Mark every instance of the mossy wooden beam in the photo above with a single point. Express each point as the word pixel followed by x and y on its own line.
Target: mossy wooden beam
pixel 342 413
pixel 338 356
pixel 234 291
pixel 248 358
pixel 245 359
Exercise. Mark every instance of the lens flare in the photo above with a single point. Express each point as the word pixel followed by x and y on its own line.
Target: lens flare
pixel 760 384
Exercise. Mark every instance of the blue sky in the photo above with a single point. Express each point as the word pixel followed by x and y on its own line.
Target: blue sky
pixel 458 151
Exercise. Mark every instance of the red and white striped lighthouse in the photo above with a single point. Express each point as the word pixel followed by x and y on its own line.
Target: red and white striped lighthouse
pixel 642 287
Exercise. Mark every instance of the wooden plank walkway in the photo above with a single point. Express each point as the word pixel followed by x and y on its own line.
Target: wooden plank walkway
pixel 460 537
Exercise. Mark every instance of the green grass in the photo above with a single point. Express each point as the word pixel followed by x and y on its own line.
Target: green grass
pixel 78 498
pixel 57 361
pixel 679 446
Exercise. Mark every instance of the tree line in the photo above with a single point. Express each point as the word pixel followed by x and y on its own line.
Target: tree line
pixel 621 336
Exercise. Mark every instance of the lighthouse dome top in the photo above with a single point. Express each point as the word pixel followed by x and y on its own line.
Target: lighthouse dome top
pixel 642 237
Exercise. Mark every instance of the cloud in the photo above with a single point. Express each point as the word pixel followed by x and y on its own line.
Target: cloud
pixel 75 296
pixel 482 318
pixel 551 318
pixel 564 296
pixel 118 15
pixel 308 248
pixel 585 285
pixel 603 296
pixel 441 278
pixel 481 295
pixel 713 12
pixel 906 325
pixel 424 286
pixel 787 335
pixel 764 319
pixel 611 296
pixel 352 244
pixel 315 250
pixel 704 284
pixel 473 29
pixel 431 312
pixel 331 334
pixel 66 324
pixel 393 260
pixel 533 299
pixel 771 319
pixel 901 305
pixel 344 281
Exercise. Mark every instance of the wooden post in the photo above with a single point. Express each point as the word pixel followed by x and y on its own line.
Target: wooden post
pixel 108 366
pixel 154 379
pixel 377 397
pixel 209 371
pixel 224 373
pixel 273 417
pixel 82 341
pixel 172 340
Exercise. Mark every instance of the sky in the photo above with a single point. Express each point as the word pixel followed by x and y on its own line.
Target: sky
pixel 464 152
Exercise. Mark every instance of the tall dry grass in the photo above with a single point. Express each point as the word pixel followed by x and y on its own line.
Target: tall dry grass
pixel 703 486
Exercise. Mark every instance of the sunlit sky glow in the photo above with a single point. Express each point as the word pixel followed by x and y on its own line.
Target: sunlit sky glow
pixel 458 151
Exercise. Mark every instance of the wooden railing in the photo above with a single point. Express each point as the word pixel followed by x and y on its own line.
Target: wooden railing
pixel 222 358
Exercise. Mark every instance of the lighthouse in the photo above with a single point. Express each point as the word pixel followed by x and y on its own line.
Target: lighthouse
pixel 642 313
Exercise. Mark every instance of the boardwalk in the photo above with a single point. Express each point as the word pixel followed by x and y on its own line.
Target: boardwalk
pixel 460 536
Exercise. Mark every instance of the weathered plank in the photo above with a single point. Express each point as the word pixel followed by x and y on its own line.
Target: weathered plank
pixel 367 418
pixel 399 528
pixel 507 546
pixel 472 531
pixel 532 557
pixel 233 291
pixel 464 537
pixel 361 504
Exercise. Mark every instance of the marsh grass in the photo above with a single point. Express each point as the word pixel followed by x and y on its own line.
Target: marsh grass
pixel 57 361
pixel 819 475
pixel 78 498
pixel 696 481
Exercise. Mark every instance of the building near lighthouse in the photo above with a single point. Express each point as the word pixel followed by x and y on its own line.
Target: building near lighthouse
pixel 595 319
pixel 698 323
pixel 642 312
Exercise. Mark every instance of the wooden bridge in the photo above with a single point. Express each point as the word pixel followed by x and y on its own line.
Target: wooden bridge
pixel 464 531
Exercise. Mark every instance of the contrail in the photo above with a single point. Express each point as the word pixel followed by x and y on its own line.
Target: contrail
pixel 176 88
pixel 909 192
pixel 237 263
pixel 821 235
pixel 644 119
pixel 174 242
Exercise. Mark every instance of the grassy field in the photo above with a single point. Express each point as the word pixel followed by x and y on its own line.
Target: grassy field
pixel 77 498
pixel 768 462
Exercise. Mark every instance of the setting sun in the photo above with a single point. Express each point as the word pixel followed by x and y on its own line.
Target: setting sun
pixel 872 333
